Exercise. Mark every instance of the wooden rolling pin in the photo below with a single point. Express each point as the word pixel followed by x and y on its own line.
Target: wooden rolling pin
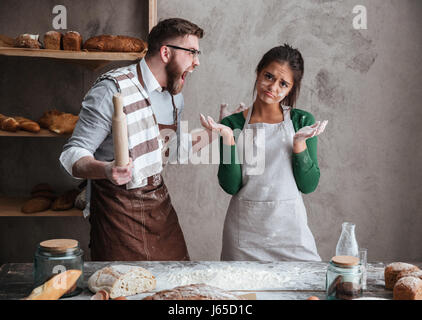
pixel 121 151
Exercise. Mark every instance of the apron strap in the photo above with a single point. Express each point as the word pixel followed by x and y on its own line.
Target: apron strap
pixel 248 117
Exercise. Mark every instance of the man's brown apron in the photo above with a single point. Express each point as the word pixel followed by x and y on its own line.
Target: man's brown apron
pixel 136 224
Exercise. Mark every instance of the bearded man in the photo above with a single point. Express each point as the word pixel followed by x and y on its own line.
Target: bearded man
pixel 129 208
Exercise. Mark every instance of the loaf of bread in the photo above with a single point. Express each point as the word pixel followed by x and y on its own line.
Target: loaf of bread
pixel 58 122
pixel 65 201
pixel 408 288
pixel 56 287
pixel 28 41
pixel 28 124
pixel 199 291
pixel 72 40
pixel 46 119
pixel 36 204
pixel 392 270
pixel 53 40
pixel 122 280
pixel 8 123
pixel 115 44
pixel 64 123
pixel 6 41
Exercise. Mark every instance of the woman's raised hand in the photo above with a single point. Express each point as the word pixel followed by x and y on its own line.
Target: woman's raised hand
pixel 310 131
pixel 209 124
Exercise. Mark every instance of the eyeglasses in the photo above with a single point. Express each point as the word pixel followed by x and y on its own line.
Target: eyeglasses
pixel 194 52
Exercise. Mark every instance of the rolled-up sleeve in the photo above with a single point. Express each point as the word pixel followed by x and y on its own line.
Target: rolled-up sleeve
pixel 93 126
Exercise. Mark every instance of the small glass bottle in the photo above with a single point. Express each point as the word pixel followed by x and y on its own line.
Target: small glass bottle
pixel 56 256
pixel 347 244
pixel 343 278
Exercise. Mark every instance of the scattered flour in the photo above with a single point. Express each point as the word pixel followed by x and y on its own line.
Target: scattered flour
pixel 224 277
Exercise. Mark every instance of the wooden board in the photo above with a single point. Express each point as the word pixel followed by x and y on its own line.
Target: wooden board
pixel 11 207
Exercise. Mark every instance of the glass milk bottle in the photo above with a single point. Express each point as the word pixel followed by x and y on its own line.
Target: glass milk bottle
pixel 347 244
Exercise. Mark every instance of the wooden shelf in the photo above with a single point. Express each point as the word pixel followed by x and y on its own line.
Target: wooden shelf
pixel 11 207
pixel 43 133
pixel 92 60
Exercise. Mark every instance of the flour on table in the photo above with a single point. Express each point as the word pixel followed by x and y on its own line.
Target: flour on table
pixel 224 277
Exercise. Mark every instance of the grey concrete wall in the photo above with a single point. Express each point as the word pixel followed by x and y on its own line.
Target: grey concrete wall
pixel 365 82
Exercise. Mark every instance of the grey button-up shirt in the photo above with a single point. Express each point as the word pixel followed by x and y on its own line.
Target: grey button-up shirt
pixel 92 135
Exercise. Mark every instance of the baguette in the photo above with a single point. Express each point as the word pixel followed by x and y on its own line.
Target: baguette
pixel 27 124
pixel 57 286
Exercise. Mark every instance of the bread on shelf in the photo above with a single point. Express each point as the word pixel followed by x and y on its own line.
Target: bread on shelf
pixel 58 122
pixel 27 41
pixel 53 40
pixel 13 124
pixel 72 40
pixel 8 123
pixel 65 201
pixel 113 43
pixel 36 204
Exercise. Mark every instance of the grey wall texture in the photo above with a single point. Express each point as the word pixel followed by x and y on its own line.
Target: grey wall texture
pixel 365 82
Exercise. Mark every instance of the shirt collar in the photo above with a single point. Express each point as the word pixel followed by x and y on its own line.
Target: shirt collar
pixel 150 81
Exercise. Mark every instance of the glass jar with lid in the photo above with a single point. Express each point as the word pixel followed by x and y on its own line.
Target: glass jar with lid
pixel 343 278
pixel 55 256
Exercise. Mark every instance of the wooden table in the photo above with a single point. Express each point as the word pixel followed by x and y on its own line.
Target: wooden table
pixel 301 279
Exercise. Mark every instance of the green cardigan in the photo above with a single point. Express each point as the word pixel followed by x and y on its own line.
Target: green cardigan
pixel 305 164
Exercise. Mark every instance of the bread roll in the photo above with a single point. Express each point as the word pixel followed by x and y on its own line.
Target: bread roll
pixel 53 40
pixel 58 122
pixel 72 40
pixel 392 270
pixel 122 280
pixel 9 124
pixel 36 204
pixel 27 124
pixel 56 287
pixel 47 118
pixel 408 288
pixel 65 201
pixel 64 123
pixel 28 41
pixel 114 43
pixel 6 41
pixel 198 291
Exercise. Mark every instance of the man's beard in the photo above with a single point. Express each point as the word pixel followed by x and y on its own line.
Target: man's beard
pixel 173 75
